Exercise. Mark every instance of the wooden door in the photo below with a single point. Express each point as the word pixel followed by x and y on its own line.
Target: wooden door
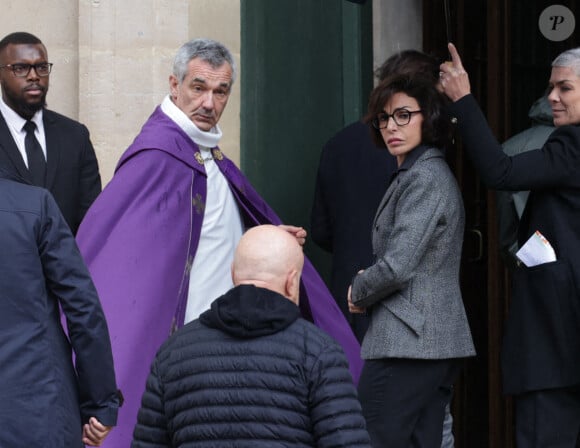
pixel 471 405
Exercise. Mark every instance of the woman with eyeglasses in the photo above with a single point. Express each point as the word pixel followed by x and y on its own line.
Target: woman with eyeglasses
pixel 418 330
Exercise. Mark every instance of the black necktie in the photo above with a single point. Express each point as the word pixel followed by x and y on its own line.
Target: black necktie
pixel 36 160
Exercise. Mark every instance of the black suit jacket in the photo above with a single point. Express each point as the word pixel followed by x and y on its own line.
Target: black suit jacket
pixel 353 175
pixel 72 170
pixel 541 345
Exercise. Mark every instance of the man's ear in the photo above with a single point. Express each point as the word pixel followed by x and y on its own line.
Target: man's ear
pixel 293 286
pixel 173 83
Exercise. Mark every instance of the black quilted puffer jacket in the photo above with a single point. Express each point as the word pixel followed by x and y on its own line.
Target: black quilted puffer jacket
pixel 250 373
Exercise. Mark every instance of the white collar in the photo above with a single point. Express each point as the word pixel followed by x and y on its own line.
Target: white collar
pixel 15 121
pixel 209 138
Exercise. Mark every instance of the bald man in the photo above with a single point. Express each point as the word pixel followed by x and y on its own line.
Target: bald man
pixel 250 371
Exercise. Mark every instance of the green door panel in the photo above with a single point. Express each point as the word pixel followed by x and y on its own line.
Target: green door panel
pixel 306 70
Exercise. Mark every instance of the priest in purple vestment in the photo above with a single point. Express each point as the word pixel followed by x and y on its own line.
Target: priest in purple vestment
pixel 159 240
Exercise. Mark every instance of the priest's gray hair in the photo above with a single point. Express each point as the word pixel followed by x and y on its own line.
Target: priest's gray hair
pixel 208 50
pixel 569 58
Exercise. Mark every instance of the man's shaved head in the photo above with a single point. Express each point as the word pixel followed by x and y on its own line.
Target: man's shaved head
pixel 269 257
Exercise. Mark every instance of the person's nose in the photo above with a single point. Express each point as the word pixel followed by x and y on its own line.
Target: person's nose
pixel 391 125
pixel 208 100
pixel 32 75
pixel 553 96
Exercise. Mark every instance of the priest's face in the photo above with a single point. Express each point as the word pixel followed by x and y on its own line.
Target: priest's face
pixel 203 93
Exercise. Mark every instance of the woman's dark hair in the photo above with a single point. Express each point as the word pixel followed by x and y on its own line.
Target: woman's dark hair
pixel 436 128
pixel 409 62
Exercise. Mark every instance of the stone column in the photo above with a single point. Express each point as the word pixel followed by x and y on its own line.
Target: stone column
pixel 396 26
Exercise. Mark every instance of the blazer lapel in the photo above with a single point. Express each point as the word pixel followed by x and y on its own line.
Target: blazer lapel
pixel 431 152
pixel 9 148
pixel 53 148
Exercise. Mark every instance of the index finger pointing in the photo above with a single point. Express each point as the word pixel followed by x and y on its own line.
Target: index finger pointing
pixel 455 56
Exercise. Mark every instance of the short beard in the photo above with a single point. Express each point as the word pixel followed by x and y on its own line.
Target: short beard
pixel 21 107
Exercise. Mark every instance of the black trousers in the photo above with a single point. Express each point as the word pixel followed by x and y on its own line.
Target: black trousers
pixel 403 400
pixel 548 418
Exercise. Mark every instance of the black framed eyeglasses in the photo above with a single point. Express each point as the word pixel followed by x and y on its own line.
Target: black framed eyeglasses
pixel 400 116
pixel 22 70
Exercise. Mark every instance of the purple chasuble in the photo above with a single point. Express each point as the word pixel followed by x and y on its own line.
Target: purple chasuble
pixel 139 239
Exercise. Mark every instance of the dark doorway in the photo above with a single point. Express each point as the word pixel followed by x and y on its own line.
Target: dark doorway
pixel 508 60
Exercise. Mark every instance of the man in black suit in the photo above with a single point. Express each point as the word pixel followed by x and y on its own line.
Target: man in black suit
pixel 41 146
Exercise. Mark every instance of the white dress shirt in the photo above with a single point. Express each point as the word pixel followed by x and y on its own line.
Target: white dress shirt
pixel 16 126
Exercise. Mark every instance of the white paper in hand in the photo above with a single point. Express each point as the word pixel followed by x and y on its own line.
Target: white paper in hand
pixel 537 250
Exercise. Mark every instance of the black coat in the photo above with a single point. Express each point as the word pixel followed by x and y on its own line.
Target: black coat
pixel 72 172
pixel 43 398
pixel 250 372
pixel 541 345
pixel 510 204
pixel 353 175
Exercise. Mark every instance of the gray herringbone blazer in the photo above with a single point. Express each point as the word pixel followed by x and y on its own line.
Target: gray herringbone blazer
pixel 412 291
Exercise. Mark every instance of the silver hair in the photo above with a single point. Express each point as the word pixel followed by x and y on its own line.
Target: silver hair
pixel 569 58
pixel 208 50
